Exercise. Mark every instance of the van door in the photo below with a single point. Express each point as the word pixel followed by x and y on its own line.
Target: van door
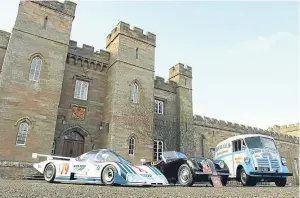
pixel 238 156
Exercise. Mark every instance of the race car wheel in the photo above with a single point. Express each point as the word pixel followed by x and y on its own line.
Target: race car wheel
pixel 50 172
pixel 185 176
pixel 108 175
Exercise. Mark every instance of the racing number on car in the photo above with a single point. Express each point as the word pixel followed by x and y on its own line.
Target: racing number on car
pixel 65 167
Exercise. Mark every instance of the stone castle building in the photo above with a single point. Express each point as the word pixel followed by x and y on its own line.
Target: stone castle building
pixel 59 98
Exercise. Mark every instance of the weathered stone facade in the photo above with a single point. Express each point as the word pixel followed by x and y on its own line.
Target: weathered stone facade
pixel 292 129
pixel 110 98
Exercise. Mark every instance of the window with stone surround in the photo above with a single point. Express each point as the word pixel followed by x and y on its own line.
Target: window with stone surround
pixel 53 148
pixel 81 90
pixel 159 107
pixel 35 69
pixel 134 92
pixel 158 149
pixel 296 166
pixel 136 53
pixel 131 145
pixel 22 134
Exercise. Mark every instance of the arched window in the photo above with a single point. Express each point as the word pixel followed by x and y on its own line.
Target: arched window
pixel 136 53
pixel 131 145
pixel 22 134
pixel 35 69
pixel 134 93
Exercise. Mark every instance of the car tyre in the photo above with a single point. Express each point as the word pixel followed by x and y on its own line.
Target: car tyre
pixel 108 175
pixel 281 182
pixel 245 179
pixel 185 175
pixel 50 172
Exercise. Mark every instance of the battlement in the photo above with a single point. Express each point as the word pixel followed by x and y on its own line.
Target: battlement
pixel 86 56
pixel 136 33
pixel 180 69
pixel 4 39
pixel 67 7
pixel 293 129
pixel 167 85
pixel 242 129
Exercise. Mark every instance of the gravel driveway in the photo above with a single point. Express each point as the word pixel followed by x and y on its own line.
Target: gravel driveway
pixel 30 188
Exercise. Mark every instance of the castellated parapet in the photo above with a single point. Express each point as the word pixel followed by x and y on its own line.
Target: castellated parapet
pixel 85 56
pixel 66 7
pixel 291 129
pixel 4 39
pixel 180 69
pixel 242 129
pixel 136 33
pixel 166 85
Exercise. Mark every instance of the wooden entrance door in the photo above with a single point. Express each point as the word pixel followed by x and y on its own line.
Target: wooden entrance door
pixel 73 144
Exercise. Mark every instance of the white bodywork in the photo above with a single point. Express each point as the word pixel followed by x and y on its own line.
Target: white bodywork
pixel 89 169
pixel 263 157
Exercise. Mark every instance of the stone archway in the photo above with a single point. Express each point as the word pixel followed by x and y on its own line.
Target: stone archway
pixel 73 144
pixel 73 141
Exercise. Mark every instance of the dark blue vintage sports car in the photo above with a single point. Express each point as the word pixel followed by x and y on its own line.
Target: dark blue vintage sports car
pixel 177 167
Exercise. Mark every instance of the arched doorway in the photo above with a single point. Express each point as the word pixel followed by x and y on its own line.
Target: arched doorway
pixel 73 145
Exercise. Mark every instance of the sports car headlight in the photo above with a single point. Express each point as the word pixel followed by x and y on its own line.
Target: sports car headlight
pixel 283 161
pixel 246 160
pixel 221 164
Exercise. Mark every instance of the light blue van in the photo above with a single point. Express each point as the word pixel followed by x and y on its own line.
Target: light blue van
pixel 253 158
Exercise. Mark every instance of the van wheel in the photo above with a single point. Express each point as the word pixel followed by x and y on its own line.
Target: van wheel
pixel 245 179
pixel 281 182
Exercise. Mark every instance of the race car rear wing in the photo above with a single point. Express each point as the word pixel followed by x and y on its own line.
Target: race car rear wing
pixel 36 155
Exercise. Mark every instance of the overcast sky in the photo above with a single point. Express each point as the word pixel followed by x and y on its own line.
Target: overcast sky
pixel 244 56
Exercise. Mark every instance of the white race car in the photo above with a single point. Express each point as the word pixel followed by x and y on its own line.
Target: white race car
pixel 100 166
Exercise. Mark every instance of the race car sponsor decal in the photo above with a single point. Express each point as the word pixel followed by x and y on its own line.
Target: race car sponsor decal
pixel 64 168
pixel 146 175
pixel 79 167
pixel 156 171
pixel 126 169
pixel 141 170
pixel 99 166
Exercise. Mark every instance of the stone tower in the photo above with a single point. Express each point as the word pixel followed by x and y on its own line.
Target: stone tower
pixel 31 77
pixel 129 104
pixel 182 75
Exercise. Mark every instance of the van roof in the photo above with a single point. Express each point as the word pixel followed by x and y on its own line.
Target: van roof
pixel 243 136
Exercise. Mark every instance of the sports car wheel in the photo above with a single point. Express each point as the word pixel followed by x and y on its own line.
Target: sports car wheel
pixel 49 172
pixel 185 176
pixel 108 175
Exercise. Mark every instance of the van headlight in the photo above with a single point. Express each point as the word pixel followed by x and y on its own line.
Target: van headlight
pixel 247 160
pixel 221 164
pixel 283 161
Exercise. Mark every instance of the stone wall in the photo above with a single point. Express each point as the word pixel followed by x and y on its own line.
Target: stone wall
pixel 292 129
pixel 16 170
pixel 208 132
pixel 4 39
pixel 39 31
pixel 131 62
pixel 84 64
